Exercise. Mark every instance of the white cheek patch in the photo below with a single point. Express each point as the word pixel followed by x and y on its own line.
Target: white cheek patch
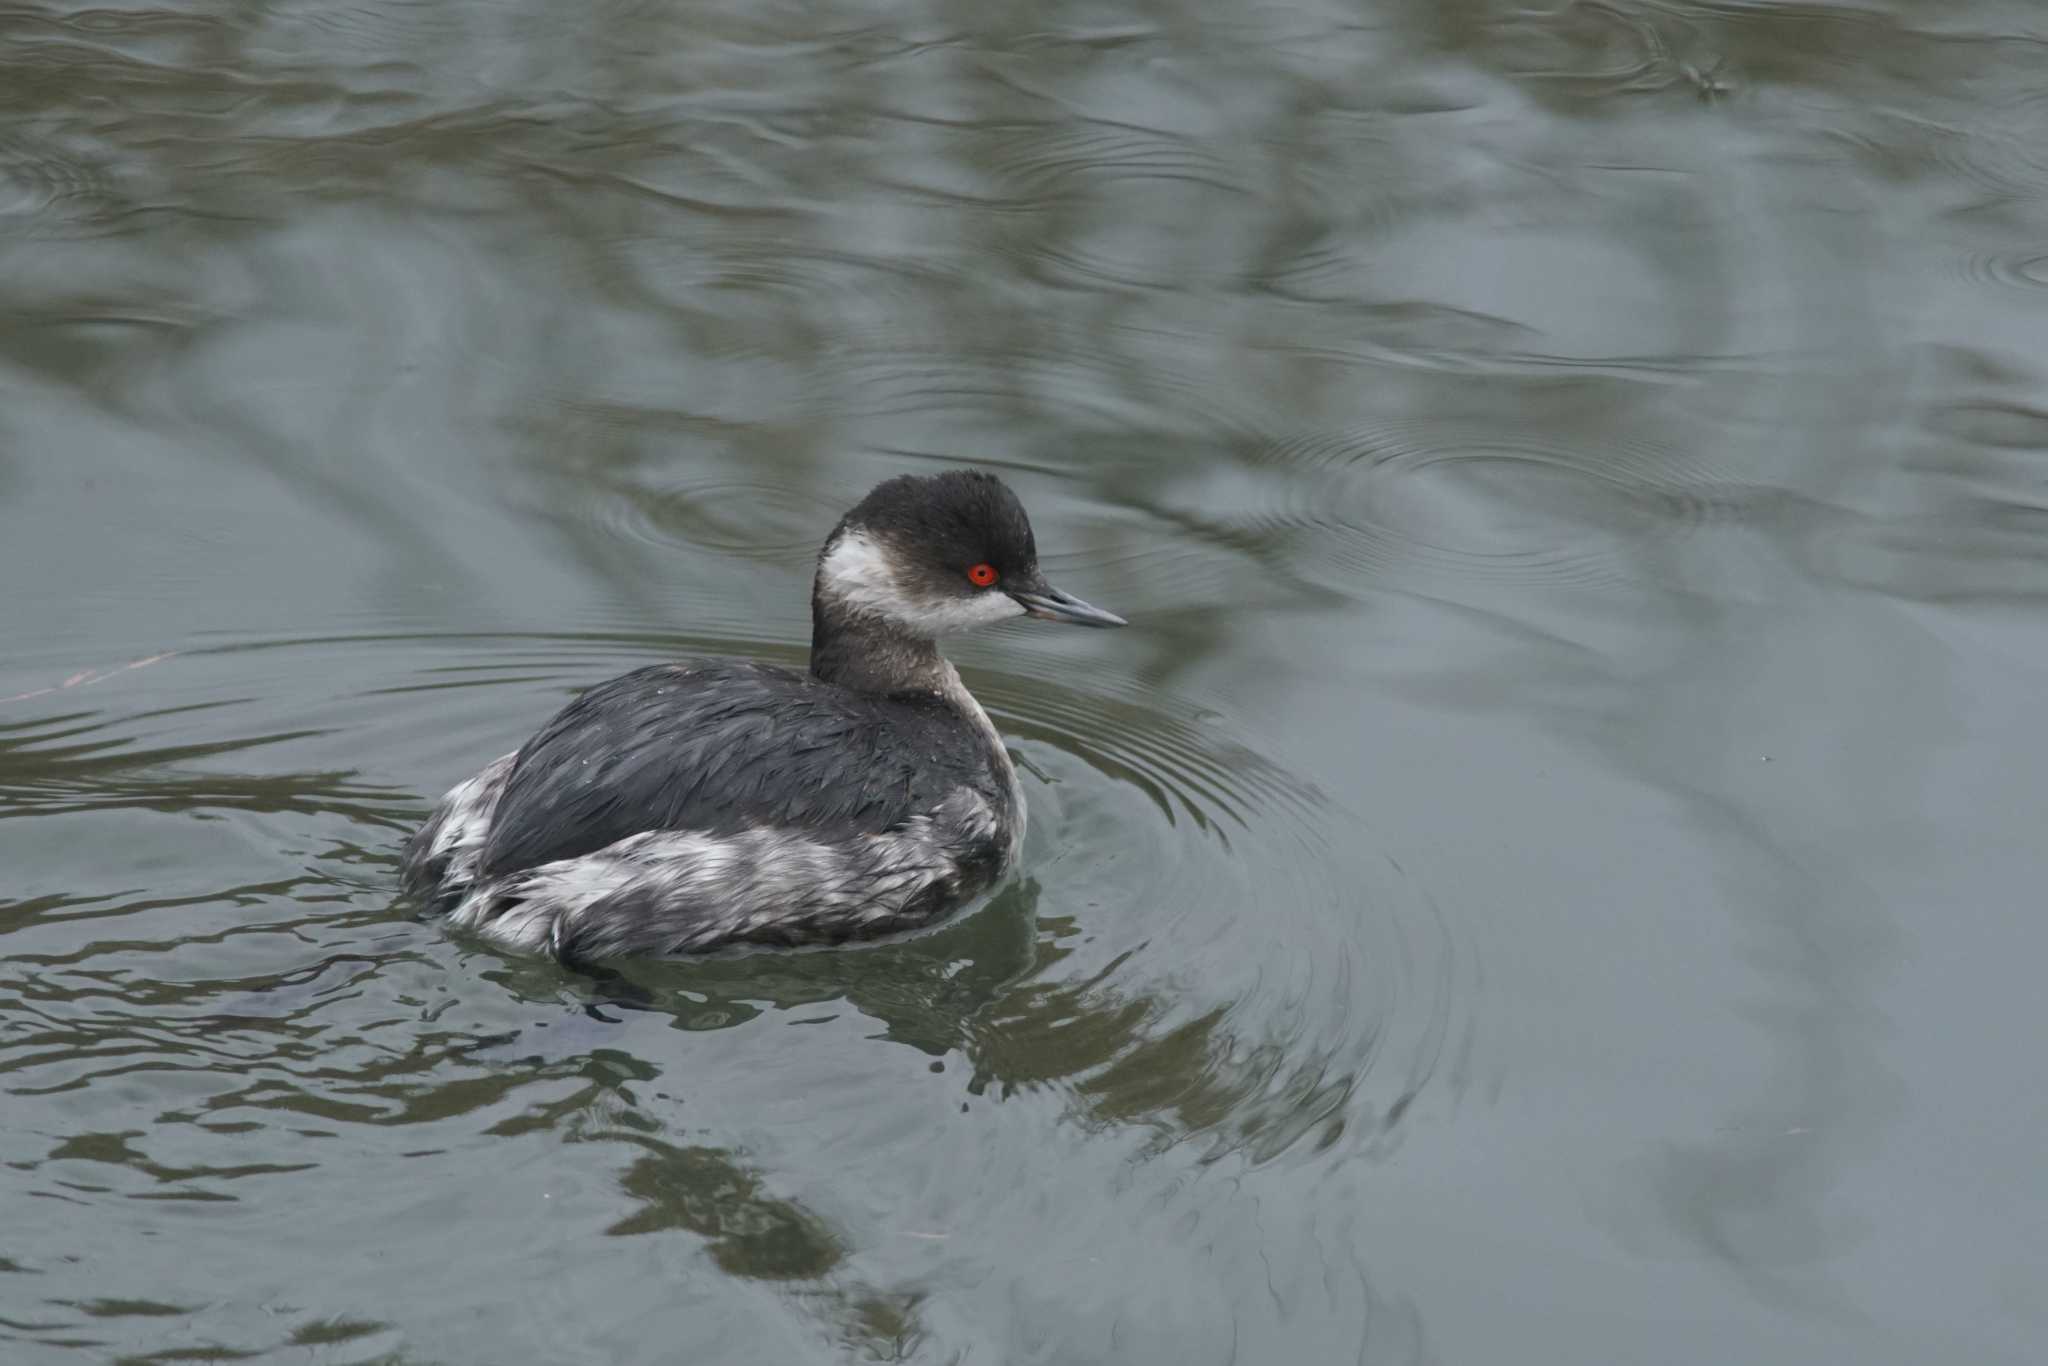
pixel 857 572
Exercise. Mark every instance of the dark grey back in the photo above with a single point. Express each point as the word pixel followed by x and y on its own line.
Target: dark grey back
pixel 725 745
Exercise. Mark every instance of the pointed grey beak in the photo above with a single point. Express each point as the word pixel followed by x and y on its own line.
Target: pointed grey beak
pixel 1049 604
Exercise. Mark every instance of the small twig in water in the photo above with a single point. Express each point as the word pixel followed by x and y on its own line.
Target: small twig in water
pixel 1706 80
pixel 88 676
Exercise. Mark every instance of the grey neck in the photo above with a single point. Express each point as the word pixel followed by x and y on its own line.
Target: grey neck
pixel 867 654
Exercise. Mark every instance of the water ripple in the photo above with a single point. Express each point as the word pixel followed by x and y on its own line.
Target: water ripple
pixel 697 505
pixel 1427 502
pixel 1041 163
pixel 48 192
pixel 2023 269
pixel 1305 974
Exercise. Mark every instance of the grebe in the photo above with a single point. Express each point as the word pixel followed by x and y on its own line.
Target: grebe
pixel 688 807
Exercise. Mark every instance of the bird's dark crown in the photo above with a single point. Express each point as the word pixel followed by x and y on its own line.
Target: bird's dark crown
pixel 950 522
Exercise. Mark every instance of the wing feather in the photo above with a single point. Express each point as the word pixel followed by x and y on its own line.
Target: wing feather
pixel 721 747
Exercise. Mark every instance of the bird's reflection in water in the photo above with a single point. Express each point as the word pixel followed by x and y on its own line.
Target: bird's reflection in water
pixel 983 988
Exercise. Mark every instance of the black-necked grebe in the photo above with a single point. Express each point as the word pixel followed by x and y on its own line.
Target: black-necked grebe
pixel 686 807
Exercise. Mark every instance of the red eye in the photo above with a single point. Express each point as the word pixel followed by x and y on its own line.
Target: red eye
pixel 982 575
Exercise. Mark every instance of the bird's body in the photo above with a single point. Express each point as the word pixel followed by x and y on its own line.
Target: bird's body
pixel 687 807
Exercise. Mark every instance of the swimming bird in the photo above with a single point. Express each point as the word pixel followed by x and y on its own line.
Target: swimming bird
pixel 692 806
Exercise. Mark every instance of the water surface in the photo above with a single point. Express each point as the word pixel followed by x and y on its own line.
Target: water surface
pixel 1551 873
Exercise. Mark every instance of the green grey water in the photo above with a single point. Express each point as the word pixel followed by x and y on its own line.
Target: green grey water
pixel 1551 873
